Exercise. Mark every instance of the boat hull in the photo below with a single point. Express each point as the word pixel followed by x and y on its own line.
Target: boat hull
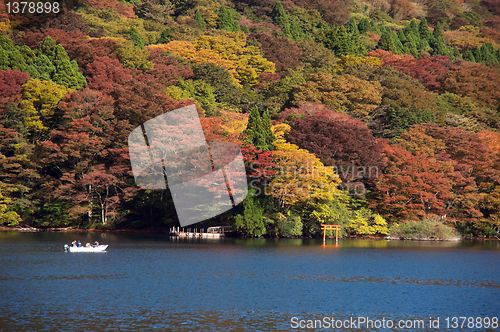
pixel 99 248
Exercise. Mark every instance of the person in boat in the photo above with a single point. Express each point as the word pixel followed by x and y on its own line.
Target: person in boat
pixel 78 244
pixel 73 244
pixel 96 244
pixel 87 244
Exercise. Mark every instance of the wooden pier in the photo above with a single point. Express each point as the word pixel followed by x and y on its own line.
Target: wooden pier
pixel 200 233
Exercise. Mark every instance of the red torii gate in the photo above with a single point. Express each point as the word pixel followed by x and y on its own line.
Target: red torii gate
pixel 331 227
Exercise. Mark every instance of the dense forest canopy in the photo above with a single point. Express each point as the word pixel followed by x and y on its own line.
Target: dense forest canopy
pixel 364 113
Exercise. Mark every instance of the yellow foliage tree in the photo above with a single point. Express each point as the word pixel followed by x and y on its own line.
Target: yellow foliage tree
pixel 356 60
pixel 345 93
pixel 7 217
pixel 301 177
pixel 40 99
pixel 229 50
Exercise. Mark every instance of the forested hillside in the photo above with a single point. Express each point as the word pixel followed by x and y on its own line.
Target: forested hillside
pixel 366 113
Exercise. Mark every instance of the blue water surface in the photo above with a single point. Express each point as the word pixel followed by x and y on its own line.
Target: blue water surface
pixel 145 282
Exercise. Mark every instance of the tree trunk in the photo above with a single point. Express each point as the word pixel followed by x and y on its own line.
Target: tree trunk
pixel 103 215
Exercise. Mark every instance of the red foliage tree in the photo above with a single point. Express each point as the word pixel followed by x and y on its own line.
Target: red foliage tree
pixel 474 152
pixel 412 186
pixel 333 11
pixel 138 96
pixel 284 53
pixel 106 75
pixel 120 7
pixel 475 80
pixel 78 45
pixel 259 164
pixel 85 159
pixel 432 71
pixel 474 157
pixel 337 139
pixel 11 82
pixel 167 70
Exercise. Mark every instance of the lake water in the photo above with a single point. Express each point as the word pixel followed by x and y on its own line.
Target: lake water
pixel 146 282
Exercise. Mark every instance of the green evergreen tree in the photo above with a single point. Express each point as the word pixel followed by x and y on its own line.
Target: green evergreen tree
pixel 296 32
pixel 37 65
pixel 281 18
pixel 423 46
pixel 132 35
pixel 12 56
pixel 202 24
pixel 411 39
pixel 252 221
pixel 269 137
pixel 469 56
pixel 425 35
pixel 402 37
pixel 49 61
pixel 437 42
pixel 228 19
pixel 165 36
pixel 424 31
pixel 364 25
pixel 66 71
pixel 486 54
pixel 352 27
pixel 344 40
pixel 258 131
pixel 389 41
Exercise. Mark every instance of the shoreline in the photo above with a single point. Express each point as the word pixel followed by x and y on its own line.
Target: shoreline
pixel 153 230
pixel 83 230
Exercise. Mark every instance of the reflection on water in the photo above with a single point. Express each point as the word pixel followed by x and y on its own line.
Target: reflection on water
pixel 145 282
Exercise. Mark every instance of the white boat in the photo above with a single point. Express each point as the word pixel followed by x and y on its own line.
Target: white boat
pixel 99 248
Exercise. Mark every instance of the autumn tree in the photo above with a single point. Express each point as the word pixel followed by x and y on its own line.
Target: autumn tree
pixel 38 106
pixel 18 177
pixel 229 50
pixel 303 182
pixel 338 140
pixel 430 71
pixel 412 186
pixel 476 81
pixel 84 159
pixel 345 93
pixel 11 86
pixel 404 9
pixel 473 157
pixel 402 92
pixel 281 51
pixel 7 216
